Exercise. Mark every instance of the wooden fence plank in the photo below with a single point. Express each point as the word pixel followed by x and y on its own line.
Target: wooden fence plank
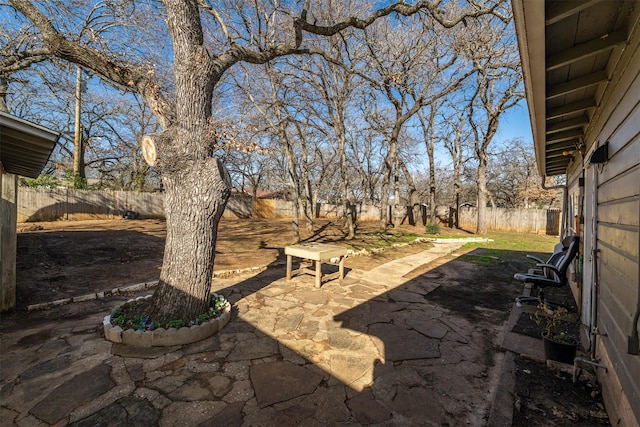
pixel 36 204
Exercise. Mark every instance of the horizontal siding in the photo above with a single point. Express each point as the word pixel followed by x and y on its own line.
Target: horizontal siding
pixel 618 102
pixel 626 133
pixel 622 240
pixel 625 365
pixel 625 158
pixel 609 303
pixel 618 233
pixel 621 212
pixel 621 186
pixel 613 271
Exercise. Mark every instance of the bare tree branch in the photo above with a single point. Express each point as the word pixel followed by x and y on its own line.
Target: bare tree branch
pixel 106 66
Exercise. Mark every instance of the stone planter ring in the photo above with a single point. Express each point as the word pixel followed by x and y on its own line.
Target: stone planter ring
pixel 162 337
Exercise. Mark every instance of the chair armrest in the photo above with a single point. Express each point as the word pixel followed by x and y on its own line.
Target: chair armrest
pixel 549 266
pixel 535 258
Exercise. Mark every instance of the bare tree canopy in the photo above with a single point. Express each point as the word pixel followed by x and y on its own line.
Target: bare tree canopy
pixel 121 41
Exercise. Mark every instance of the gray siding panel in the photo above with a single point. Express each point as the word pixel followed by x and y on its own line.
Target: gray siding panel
pixel 628 131
pixel 618 229
pixel 622 186
pixel 621 212
pixel 625 365
pixel 626 157
pixel 613 270
pixel 621 240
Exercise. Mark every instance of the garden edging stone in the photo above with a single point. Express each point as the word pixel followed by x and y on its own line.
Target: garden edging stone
pixel 162 337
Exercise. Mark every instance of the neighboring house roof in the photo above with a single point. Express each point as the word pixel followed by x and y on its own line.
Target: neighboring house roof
pixel 25 147
pixel 567 49
pixel 269 194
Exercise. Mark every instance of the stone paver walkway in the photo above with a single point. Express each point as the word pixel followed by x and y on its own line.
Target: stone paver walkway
pixel 372 350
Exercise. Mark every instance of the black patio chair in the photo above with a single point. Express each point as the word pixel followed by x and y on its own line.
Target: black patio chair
pixel 559 251
pixel 552 273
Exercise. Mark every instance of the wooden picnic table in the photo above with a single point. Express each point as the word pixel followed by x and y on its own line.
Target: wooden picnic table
pixel 318 253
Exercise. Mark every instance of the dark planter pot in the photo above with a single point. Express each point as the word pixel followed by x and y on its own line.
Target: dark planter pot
pixel 559 351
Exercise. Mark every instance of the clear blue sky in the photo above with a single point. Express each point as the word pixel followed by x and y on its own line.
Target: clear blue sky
pixel 515 124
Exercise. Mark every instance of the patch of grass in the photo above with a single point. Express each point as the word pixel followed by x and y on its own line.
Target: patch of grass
pixel 517 242
pixel 485 256
pixel 506 247
pixel 480 259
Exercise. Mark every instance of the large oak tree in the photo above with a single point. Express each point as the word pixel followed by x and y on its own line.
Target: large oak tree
pixel 206 39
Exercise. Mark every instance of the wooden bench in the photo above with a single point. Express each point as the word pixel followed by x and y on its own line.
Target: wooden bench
pixel 319 253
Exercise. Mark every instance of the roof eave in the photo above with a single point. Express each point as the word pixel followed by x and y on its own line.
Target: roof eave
pixel 529 19
pixel 21 136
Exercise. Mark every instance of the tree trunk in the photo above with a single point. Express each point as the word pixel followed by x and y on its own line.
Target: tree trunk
pixel 481 227
pixel 78 152
pixel 295 216
pixel 456 186
pixel 195 198
pixel 294 183
pixel 430 142
pixel 308 210
pixel 413 208
pixel 384 193
pixel 390 167
pixel 348 213
pixel 398 212
pixel 254 200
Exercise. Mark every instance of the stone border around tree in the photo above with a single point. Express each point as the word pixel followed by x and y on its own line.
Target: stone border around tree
pixel 162 337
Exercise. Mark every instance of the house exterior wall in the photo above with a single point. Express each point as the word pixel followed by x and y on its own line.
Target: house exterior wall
pixel 8 242
pixel 615 215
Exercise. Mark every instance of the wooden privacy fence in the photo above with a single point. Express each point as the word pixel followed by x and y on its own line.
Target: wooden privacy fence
pixel 539 221
pixel 36 204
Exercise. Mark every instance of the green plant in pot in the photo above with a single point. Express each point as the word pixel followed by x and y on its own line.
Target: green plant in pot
pixel 559 343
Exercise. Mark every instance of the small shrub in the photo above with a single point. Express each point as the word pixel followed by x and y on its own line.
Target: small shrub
pixel 554 321
pixel 432 228
pixel 42 181
pixel 133 315
pixel 175 323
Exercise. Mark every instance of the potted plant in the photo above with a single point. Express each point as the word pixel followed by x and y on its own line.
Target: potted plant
pixel 560 344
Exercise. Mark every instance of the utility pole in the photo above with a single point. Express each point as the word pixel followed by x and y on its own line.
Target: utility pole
pixel 78 151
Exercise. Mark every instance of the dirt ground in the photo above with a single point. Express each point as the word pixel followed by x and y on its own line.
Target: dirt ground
pixel 63 259
pixel 57 260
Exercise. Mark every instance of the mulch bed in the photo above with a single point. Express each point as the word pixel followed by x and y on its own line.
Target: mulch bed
pixel 527 325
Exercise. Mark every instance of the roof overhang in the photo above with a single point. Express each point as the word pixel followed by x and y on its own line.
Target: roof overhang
pixel 25 147
pixel 566 48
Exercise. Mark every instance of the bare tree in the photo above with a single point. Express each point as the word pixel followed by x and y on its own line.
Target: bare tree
pixel 330 87
pixel 456 134
pixel 430 134
pixel 19 50
pixel 366 158
pixel 196 183
pixel 495 58
pixel 411 73
pixel 271 98
pixel 513 178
